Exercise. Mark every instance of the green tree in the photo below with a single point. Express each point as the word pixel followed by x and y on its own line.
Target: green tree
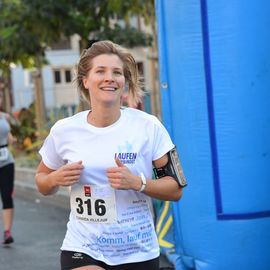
pixel 99 19
pixel 28 28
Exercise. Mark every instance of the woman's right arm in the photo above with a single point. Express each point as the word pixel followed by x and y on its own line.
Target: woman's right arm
pixel 48 181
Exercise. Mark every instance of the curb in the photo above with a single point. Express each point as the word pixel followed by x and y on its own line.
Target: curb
pixel 26 188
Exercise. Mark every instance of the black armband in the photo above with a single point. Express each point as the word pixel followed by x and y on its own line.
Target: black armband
pixel 173 168
pixel 3 146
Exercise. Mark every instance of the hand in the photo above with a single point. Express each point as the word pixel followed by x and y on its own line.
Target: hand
pixel 68 174
pixel 120 177
pixel 11 140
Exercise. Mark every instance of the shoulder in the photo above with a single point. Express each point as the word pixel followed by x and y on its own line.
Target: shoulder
pixel 138 115
pixel 5 116
pixel 69 122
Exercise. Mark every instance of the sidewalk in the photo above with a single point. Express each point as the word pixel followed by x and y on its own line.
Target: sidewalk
pixel 25 187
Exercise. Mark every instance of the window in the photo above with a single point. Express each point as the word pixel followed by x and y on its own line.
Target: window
pixel 68 76
pixel 57 76
pixel 62 76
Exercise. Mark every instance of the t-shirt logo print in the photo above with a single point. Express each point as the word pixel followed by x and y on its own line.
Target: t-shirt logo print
pixel 126 154
pixel 87 191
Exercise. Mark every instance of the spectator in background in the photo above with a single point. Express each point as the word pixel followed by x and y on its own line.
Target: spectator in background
pixel 6 174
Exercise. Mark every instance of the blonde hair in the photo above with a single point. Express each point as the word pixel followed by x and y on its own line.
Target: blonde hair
pixel 131 73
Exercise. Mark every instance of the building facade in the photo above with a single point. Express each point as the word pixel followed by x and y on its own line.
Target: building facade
pixel 61 96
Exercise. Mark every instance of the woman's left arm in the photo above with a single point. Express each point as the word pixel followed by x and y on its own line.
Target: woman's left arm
pixel 10 138
pixel 165 188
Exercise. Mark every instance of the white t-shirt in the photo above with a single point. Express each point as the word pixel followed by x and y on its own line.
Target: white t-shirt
pixel 113 226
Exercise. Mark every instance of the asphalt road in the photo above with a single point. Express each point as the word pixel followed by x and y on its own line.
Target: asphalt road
pixel 38 230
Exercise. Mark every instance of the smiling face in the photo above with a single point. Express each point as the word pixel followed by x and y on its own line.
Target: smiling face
pixel 105 80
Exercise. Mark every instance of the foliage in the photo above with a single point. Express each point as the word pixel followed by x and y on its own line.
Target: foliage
pixel 125 8
pixel 24 128
pixel 98 20
pixel 30 160
pixel 28 28
pixel 119 35
pixel 17 42
pixel 28 141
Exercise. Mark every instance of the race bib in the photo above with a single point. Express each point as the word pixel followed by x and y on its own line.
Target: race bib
pixel 95 204
pixel 3 153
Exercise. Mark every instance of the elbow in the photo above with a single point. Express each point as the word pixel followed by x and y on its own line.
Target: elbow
pixel 38 185
pixel 177 195
pixel 43 192
pixel 41 188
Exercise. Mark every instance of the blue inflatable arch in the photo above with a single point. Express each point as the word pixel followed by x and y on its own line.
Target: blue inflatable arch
pixel 215 85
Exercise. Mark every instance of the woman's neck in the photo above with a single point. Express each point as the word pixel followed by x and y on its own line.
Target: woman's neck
pixel 103 117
